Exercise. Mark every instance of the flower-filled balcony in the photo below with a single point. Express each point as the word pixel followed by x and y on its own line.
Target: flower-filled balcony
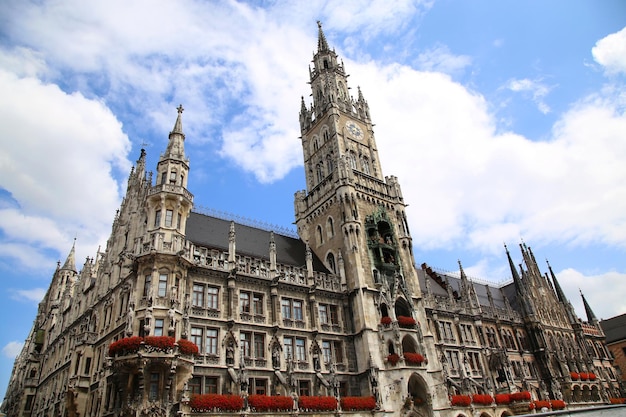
pixel 129 349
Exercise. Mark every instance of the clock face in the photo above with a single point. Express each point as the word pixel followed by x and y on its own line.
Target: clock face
pixel 354 129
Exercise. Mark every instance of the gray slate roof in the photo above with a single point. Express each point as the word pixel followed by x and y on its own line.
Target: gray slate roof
pixel 212 232
pixel 614 328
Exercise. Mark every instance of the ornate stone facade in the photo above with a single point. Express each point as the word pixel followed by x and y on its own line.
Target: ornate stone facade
pixel 340 311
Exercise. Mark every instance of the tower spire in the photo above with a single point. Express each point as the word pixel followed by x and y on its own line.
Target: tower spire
pixel 519 286
pixel 70 262
pixel 175 147
pixel 322 45
pixel 591 317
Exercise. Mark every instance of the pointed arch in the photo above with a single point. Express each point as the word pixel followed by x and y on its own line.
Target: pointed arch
pixel 320 236
pixel 330 227
pixel 330 262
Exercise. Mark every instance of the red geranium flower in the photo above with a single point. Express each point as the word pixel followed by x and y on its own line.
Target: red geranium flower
pixel 404 321
pixel 557 404
pixel 484 399
pixel 210 402
pixel 385 320
pixel 393 358
pixel 461 400
pixel 358 403
pixel 412 357
pixel 503 398
pixel 187 347
pixel 317 403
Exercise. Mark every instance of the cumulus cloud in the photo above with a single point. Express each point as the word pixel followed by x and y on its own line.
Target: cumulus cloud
pixel 57 166
pixel 537 89
pixel 604 292
pixel 12 349
pixel 471 184
pixel 610 52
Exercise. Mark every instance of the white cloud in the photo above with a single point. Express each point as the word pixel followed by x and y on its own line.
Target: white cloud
pixel 440 59
pixel 604 292
pixel 536 88
pixel 12 349
pixel 57 166
pixel 610 52
pixel 32 295
pixel 472 186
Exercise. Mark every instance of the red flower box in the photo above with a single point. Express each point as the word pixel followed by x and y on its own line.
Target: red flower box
pixel 461 400
pixel 584 376
pixel 557 404
pixel 210 402
pixel 125 345
pixel 414 358
pixel 160 342
pixel 386 321
pixel 187 347
pixel 358 403
pixel 592 377
pixel 483 399
pixel 520 396
pixel 539 404
pixel 393 358
pixel 574 375
pixel 503 399
pixel 617 400
pixel 317 403
pixel 404 321
pixel 264 403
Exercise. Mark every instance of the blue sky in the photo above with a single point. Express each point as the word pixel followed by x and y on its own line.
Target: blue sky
pixel 503 121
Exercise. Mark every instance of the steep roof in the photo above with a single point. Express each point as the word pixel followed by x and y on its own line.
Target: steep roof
pixel 212 232
pixel 614 328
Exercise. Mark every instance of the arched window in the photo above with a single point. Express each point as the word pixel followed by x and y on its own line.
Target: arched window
pixel 331 227
pixel 326 135
pixel 330 260
pixel 365 164
pixel 329 164
pixel 319 172
pixel 352 159
pixel 320 237
pixel 316 144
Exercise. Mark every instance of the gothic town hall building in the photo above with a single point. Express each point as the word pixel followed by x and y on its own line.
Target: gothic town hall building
pixel 342 311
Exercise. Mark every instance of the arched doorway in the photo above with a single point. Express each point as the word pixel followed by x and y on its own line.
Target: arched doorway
pixel 418 402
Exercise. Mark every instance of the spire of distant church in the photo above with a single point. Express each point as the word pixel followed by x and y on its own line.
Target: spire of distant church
pixel 591 317
pixel 322 45
pixel 175 147
pixel 70 262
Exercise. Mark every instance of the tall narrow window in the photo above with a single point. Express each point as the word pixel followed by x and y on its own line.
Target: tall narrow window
pixel 158 327
pixel 366 165
pixel 212 299
pixel 146 285
pixel 288 347
pixel 197 297
pixel 245 343
pixel 323 309
pixel 154 386
pixel 173 177
pixel 196 337
pixel 331 227
pixel 244 302
pixel 157 218
pixel 162 291
pixel 319 172
pixel 301 350
pixel 259 345
pixel 211 341
pixel 320 237
pixel 329 164
pixel 169 214
pixel 297 310
pixel 257 304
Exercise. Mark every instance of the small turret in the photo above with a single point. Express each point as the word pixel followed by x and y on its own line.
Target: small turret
pixel 591 317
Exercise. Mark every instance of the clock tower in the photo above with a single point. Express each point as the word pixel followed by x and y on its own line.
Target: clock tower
pixel 354 219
